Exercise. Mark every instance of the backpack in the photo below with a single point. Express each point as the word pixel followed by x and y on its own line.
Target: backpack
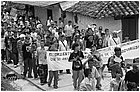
pixel 108 64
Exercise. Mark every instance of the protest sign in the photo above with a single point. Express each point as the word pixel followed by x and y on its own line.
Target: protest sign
pixel 13 12
pixel 59 60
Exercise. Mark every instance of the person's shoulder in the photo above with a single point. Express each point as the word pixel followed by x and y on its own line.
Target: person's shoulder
pixel 72 53
pixel 46 47
pixel 65 40
pixel 85 80
pixel 93 68
pixel 112 80
pixel 112 57
pixel 38 48
pixel 66 25
pixel 19 41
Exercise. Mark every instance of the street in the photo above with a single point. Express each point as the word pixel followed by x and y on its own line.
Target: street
pixel 64 83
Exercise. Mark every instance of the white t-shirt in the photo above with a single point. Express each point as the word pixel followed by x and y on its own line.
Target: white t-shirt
pixel 56 35
pixel 34 35
pixel 86 85
pixel 61 46
pixel 112 42
pixel 69 30
pixel 53 30
pixel 49 22
pixel 42 55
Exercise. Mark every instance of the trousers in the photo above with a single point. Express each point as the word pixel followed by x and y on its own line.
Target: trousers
pixel 77 78
pixel 15 58
pixel 28 66
pixel 53 74
pixel 43 73
pixel 34 64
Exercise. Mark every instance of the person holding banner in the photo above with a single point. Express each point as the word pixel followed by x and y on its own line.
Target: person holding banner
pixel 43 66
pixel 75 57
pixel 53 73
pixel 63 46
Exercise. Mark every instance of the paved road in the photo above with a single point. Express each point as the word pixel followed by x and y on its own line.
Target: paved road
pixel 17 85
pixel 5 84
pixel 65 82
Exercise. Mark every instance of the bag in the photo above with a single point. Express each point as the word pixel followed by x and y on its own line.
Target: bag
pixel 77 63
pixel 108 64
pixel 114 41
pixel 93 62
pixel 64 45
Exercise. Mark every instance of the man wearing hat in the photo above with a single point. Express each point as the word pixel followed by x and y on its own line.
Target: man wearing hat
pixel 63 46
pixel 20 54
pixel 114 40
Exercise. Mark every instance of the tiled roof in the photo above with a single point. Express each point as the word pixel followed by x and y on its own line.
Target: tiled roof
pixel 38 3
pixel 99 9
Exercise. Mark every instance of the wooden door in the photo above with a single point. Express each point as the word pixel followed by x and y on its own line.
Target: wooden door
pixel 130 27
pixel 49 13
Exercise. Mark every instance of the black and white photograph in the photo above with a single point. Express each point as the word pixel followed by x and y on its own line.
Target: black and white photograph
pixel 69 45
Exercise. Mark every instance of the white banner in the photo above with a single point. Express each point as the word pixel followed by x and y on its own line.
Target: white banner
pixel 59 60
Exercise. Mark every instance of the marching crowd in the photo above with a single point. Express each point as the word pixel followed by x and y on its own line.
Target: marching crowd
pixel 24 43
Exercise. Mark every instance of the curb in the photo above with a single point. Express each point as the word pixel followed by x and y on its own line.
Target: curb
pixel 24 78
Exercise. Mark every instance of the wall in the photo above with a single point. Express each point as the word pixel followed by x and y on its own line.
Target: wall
pixel 84 21
pixel 41 12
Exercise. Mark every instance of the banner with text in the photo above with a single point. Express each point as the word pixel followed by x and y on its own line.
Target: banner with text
pixel 59 60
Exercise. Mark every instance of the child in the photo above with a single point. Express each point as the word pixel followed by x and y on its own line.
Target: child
pixel 75 57
pixel 117 83
pixel 86 84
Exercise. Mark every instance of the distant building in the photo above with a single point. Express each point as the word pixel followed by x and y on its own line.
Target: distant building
pixel 115 15
pixel 42 9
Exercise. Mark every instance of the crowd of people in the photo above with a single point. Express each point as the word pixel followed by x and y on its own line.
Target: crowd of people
pixel 24 43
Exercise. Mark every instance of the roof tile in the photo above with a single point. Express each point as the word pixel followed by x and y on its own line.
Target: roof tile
pixel 100 9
